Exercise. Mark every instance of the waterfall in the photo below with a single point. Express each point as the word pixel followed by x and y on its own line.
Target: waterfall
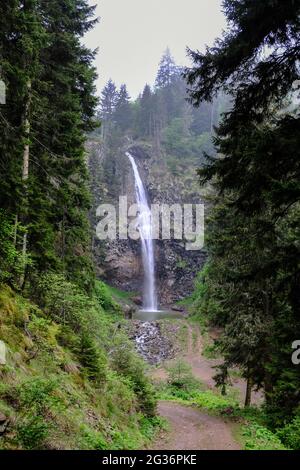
pixel 145 229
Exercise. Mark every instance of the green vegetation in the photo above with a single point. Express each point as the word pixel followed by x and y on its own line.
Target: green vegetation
pixel 250 284
pixel 120 294
pixel 72 380
pixel 260 438
pixel 250 424
pixel 182 386
pixel 290 434
pixel 162 122
pixel 50 105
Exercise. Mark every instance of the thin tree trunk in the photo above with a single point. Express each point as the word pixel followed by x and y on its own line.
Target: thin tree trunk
pixel 248 392
pixel 25 175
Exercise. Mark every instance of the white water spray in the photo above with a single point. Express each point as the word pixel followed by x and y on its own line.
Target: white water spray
pixel 145 228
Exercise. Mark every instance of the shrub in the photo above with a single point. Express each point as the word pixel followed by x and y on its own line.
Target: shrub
pixel 38 394
pixel 35 398
pixel 92 440
pixel 213 402
pixel 260 438
pixel 126 362
pixel 181 376
pixel 32 431
pixel 104 298
pixel 150 425
pixel 63 301
pixel 92 359
pixel 290 434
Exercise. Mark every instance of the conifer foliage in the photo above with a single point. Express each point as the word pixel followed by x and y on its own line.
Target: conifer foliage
pixel 49 77
pixel 251 285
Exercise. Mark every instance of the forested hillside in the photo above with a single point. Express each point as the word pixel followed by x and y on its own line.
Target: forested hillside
pixel 168 137
pixel 64 382
pixel 162 116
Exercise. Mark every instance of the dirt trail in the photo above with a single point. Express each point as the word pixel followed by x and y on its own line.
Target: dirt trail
pixel 204 368
pixel 191 429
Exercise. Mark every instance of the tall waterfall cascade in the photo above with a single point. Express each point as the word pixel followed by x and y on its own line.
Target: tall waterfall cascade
pixel 147 244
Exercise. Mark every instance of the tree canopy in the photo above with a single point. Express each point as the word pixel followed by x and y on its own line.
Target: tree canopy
pixel 252 279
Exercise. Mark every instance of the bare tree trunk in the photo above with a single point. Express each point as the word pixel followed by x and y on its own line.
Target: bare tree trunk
pixel 248 392
pixel 25 174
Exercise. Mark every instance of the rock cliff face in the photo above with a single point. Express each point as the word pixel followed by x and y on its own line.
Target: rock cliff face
pixel 119 261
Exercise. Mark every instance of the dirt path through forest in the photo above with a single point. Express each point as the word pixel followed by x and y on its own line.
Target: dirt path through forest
pixel 204 368
pixel 191 429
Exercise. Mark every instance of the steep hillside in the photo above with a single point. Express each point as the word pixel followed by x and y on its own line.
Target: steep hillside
pixel 71 379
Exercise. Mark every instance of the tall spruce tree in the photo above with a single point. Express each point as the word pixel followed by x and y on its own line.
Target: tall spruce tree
pixel 50 105
pixel 123 111
pixel 146 112
pixel 167 70
pixel 22 37
pixel 108 100
pixel 69 80
pixel 254 256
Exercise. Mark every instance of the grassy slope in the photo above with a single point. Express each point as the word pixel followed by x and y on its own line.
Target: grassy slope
pixel 46 394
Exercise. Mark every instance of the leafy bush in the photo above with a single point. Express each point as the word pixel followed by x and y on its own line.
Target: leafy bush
pixel 260 438
pixel 36 397
pixel 180 376
pixel 64 301
pixel 32 431
pixel 93 440
pixel 150 425
pixel 290 434
pixel 104 298
pixel 214 402
pixel 38 394
pixel 126 362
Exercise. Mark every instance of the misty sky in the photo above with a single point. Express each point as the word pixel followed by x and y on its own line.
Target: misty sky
pixel 133 34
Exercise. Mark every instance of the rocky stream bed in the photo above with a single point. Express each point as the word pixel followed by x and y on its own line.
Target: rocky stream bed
pixel 152 342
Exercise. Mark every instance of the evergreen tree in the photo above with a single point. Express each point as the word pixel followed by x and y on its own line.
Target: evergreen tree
pixel 50 105
pixel 146 112
pixel 93 361
pixel 123 112
pixel 167 70
pixel 108 100
pixel 68 86
pixel 254 257
pixel 22 37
